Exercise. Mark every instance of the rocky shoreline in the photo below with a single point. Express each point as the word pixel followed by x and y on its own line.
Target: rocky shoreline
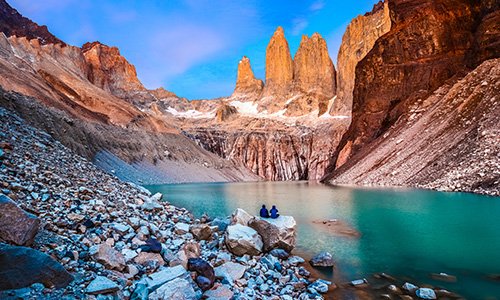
pixel 102 238
pixel 117 240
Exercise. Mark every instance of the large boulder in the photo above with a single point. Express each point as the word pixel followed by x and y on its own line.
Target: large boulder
pixel 240 216
pixel 276 233
pixel 21 267
pixel 16 226
pixel 241 240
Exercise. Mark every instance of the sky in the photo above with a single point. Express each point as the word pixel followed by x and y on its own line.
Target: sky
pixel 192 47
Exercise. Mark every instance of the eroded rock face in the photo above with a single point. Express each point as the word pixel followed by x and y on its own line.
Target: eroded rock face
pixel 109 70
pixel 224 112
pixel 413 59
pixel 246 83
pixel 13 23
pixel 358 40
pixel 279 72
pixel 313 69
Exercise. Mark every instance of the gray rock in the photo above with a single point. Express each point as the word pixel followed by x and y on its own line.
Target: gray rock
pixel 101 285
pixel 181 228
pixel 157 279
pixel 320 285
pixel 276 233
pixel 222 292
pixel 16 225
pixel 425 293
pixel 241 217
pixel 21 267
pixel 141 292
pixel 241 240
pixel 178 288
pixel 230 271
pixel 409 287
pixel 323 259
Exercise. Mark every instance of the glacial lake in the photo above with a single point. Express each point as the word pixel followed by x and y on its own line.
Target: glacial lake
pixel 406 233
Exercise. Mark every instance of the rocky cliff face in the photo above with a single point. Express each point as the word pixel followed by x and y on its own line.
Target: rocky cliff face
pixel 314 77
pixel 448 141
pixel 279 72
pixel 283 153
pixel 14 24
pixel 109 70
pixel 429 42
pixel 246 83
pixel 358 40
pixel 313 69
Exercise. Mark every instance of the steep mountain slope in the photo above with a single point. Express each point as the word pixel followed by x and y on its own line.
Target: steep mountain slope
pixel 87 98
pixel 13 23
pixel 429 42
pixel 448 141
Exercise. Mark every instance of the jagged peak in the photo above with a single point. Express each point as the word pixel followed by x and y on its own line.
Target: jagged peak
pixel 279 31
pixel 90 45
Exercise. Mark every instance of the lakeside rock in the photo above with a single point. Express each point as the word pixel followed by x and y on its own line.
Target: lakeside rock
pixel 276 233
pixel 242 240
pixel 323 259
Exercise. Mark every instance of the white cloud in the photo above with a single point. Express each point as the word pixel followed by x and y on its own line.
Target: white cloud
pixel 317 5
pixel 299 24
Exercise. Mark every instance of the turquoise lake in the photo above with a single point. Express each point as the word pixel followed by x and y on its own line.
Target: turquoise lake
pixel 407 233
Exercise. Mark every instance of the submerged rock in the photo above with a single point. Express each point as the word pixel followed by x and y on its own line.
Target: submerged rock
pixel 16 225
pixel 425 293
pixel 242 240
pixel 323 259
pixel 276 233
pixel 21 267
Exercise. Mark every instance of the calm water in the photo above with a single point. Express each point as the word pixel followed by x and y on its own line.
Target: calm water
pixel 404 232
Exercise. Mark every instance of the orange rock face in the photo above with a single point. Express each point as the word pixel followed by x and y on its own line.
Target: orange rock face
pixel 358 40
pixel 246 83
pixel 279 70
pixel 429 42
pixel 109 70
pixel 313 69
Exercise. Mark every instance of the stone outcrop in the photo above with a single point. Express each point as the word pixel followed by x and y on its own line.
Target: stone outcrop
pixel 109 70
pixel 16 225
pixel 241 240
pixel 358 39
pixel 21 267
pixel 276 233
pixel 246 83
pixel 413 59
pixel 313 68
pixel 224 112
pixel 13 23
pixel 279 72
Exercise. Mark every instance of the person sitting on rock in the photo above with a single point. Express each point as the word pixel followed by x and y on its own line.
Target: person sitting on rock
pixel 274 212
pixel 263 212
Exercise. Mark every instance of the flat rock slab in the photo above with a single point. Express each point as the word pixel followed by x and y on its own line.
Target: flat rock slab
pixel 16 226
pixel 21 267
pixel 231 271
pixel 179 289
pixel 101 285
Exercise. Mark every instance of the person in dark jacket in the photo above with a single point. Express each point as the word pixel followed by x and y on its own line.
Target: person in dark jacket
pixel 263 212
pixel 274 212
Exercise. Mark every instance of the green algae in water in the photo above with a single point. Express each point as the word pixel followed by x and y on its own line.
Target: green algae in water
pixel 407 233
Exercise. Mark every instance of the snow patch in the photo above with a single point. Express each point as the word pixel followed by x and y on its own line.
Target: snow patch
pixel 192 113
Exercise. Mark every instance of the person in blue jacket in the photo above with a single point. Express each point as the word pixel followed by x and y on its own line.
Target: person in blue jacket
pixel 274 212
pixel 263 212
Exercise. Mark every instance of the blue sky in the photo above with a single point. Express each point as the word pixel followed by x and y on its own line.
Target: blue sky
pixel 192 47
